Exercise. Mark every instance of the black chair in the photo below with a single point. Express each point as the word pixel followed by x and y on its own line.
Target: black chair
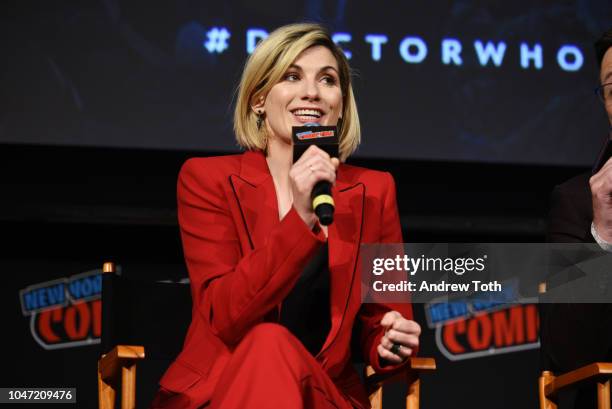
pixel 552 381
pixel 139 316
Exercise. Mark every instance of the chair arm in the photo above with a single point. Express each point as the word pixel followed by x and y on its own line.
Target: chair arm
pixel 118 364
pixel 414 366
pixel 120 356
pixel 423 364
pixel 409 372
pixel 598 372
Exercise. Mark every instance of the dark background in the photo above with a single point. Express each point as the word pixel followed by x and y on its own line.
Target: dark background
pixel 130 74
pixel 67 210
pixel 103 101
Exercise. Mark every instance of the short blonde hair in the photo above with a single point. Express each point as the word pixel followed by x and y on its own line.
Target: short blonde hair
pixel 266 67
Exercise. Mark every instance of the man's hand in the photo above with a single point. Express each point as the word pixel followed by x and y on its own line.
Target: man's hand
pixel 400 339
pixel 601 192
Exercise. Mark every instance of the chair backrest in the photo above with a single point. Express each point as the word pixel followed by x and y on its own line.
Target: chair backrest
pixel 546 363
pixel 155 315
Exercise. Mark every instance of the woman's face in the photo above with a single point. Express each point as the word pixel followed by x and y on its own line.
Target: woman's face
pixel 308 92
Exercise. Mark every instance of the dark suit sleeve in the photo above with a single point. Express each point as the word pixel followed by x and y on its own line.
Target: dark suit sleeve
pixel 570 216
pixel 563 326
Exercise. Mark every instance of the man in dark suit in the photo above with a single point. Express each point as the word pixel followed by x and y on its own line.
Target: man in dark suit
pixel 581 212
pixel 582 207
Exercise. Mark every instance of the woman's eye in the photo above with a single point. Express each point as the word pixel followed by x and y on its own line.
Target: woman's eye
pixel 291 77
pixel 329 80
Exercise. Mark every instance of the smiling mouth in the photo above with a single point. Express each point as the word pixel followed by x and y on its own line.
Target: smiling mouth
pixel 307 115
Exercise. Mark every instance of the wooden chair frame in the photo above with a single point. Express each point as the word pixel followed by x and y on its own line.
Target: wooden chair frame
pixel 410 374
pixel 117 370
pixel 550 385
pixel 118 367
pixel 599 372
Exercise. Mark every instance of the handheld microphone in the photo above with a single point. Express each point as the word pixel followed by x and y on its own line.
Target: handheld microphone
pixel 326 138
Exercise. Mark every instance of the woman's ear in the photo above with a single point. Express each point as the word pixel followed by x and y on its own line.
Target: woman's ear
pixel 258 105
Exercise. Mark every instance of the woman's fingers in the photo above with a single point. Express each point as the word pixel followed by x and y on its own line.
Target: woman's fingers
pixel 312 167
pixel 388 355
pixel 400 338
pixel 408 340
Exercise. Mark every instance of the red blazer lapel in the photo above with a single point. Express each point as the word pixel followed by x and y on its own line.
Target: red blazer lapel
pixel 344 236
pixel 256 197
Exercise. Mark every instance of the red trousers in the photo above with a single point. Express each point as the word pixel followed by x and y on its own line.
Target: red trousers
pixel 270 368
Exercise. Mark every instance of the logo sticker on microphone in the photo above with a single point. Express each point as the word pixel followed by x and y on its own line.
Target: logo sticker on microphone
pixel 325 137
pixel 314 134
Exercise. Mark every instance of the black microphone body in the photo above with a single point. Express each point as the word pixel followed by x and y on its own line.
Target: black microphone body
pixel 323 202
pixel 326 138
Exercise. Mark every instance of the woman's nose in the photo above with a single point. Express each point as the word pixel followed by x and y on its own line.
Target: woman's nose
pixel 310 90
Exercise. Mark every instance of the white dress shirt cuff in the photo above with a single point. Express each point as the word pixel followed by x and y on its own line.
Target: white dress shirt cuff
pixel 602 243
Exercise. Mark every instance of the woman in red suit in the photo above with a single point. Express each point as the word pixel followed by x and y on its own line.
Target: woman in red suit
pixel 275 294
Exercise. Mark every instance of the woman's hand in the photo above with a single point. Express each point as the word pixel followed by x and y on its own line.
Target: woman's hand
pixel 400 339
pixel 313 166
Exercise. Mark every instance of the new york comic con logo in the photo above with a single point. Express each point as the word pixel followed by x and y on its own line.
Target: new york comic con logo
pixel 302 136
pixel 476 328
pixel 66 312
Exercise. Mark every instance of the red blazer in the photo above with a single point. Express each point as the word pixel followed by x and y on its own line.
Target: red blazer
pixel 243 261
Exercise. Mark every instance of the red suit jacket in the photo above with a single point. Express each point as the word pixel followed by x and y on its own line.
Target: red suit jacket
pixel 243 261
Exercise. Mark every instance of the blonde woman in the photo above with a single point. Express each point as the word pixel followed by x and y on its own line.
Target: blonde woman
pixel 275 294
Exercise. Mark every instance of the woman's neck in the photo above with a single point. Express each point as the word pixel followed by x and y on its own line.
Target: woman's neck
pixel 280 160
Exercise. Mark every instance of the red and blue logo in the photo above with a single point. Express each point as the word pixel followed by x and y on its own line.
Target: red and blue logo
pixel 65 313
pixel 312 134
pixel 472 329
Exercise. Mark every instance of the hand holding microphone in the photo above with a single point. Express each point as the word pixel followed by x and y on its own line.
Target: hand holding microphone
pixel 325 141
pixel 312 167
